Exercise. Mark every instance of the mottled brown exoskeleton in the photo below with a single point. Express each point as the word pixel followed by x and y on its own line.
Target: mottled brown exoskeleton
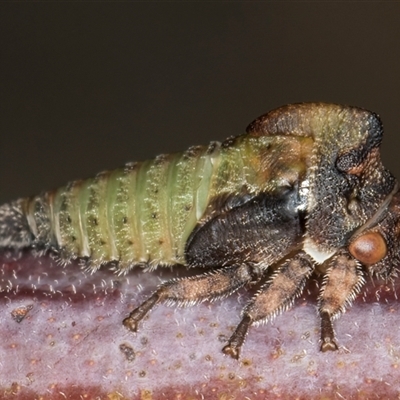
pixel 303 190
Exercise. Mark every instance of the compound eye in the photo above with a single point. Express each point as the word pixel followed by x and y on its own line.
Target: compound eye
pixel 369 248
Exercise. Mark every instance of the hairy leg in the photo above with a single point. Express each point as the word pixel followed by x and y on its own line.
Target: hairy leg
pixel 273 298
pixel 341 285
pixel 187 291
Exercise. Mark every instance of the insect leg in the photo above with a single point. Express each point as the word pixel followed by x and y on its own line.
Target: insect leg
pixel 187 291
pixel 274 297
pixel 343 281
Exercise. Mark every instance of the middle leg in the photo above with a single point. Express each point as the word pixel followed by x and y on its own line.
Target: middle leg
pixel 274 297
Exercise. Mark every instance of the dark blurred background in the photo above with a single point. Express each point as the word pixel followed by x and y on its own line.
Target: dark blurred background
pixel 86 87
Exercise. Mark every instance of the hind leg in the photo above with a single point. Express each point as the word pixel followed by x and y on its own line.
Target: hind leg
pixel 187 291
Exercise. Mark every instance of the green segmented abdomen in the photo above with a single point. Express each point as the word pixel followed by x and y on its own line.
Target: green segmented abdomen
pixel 144 212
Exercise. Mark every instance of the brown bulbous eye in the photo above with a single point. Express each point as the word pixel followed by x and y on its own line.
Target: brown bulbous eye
pixel 369 248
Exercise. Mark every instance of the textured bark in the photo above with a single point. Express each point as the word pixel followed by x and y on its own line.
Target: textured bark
pixel 70 342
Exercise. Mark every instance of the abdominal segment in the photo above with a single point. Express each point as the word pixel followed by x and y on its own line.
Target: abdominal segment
pixel 145 212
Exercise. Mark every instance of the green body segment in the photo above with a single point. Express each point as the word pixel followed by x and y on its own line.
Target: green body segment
pixel 144 212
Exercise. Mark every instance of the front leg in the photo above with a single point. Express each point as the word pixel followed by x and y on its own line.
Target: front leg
pixel 342 283
pixel 187 291
pixel 275 296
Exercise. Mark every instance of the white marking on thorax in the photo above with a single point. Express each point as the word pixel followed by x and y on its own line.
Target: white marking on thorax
pixel 304 190
pixel 312 250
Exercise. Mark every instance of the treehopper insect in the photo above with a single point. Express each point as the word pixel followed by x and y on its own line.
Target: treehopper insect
pixel 302 191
